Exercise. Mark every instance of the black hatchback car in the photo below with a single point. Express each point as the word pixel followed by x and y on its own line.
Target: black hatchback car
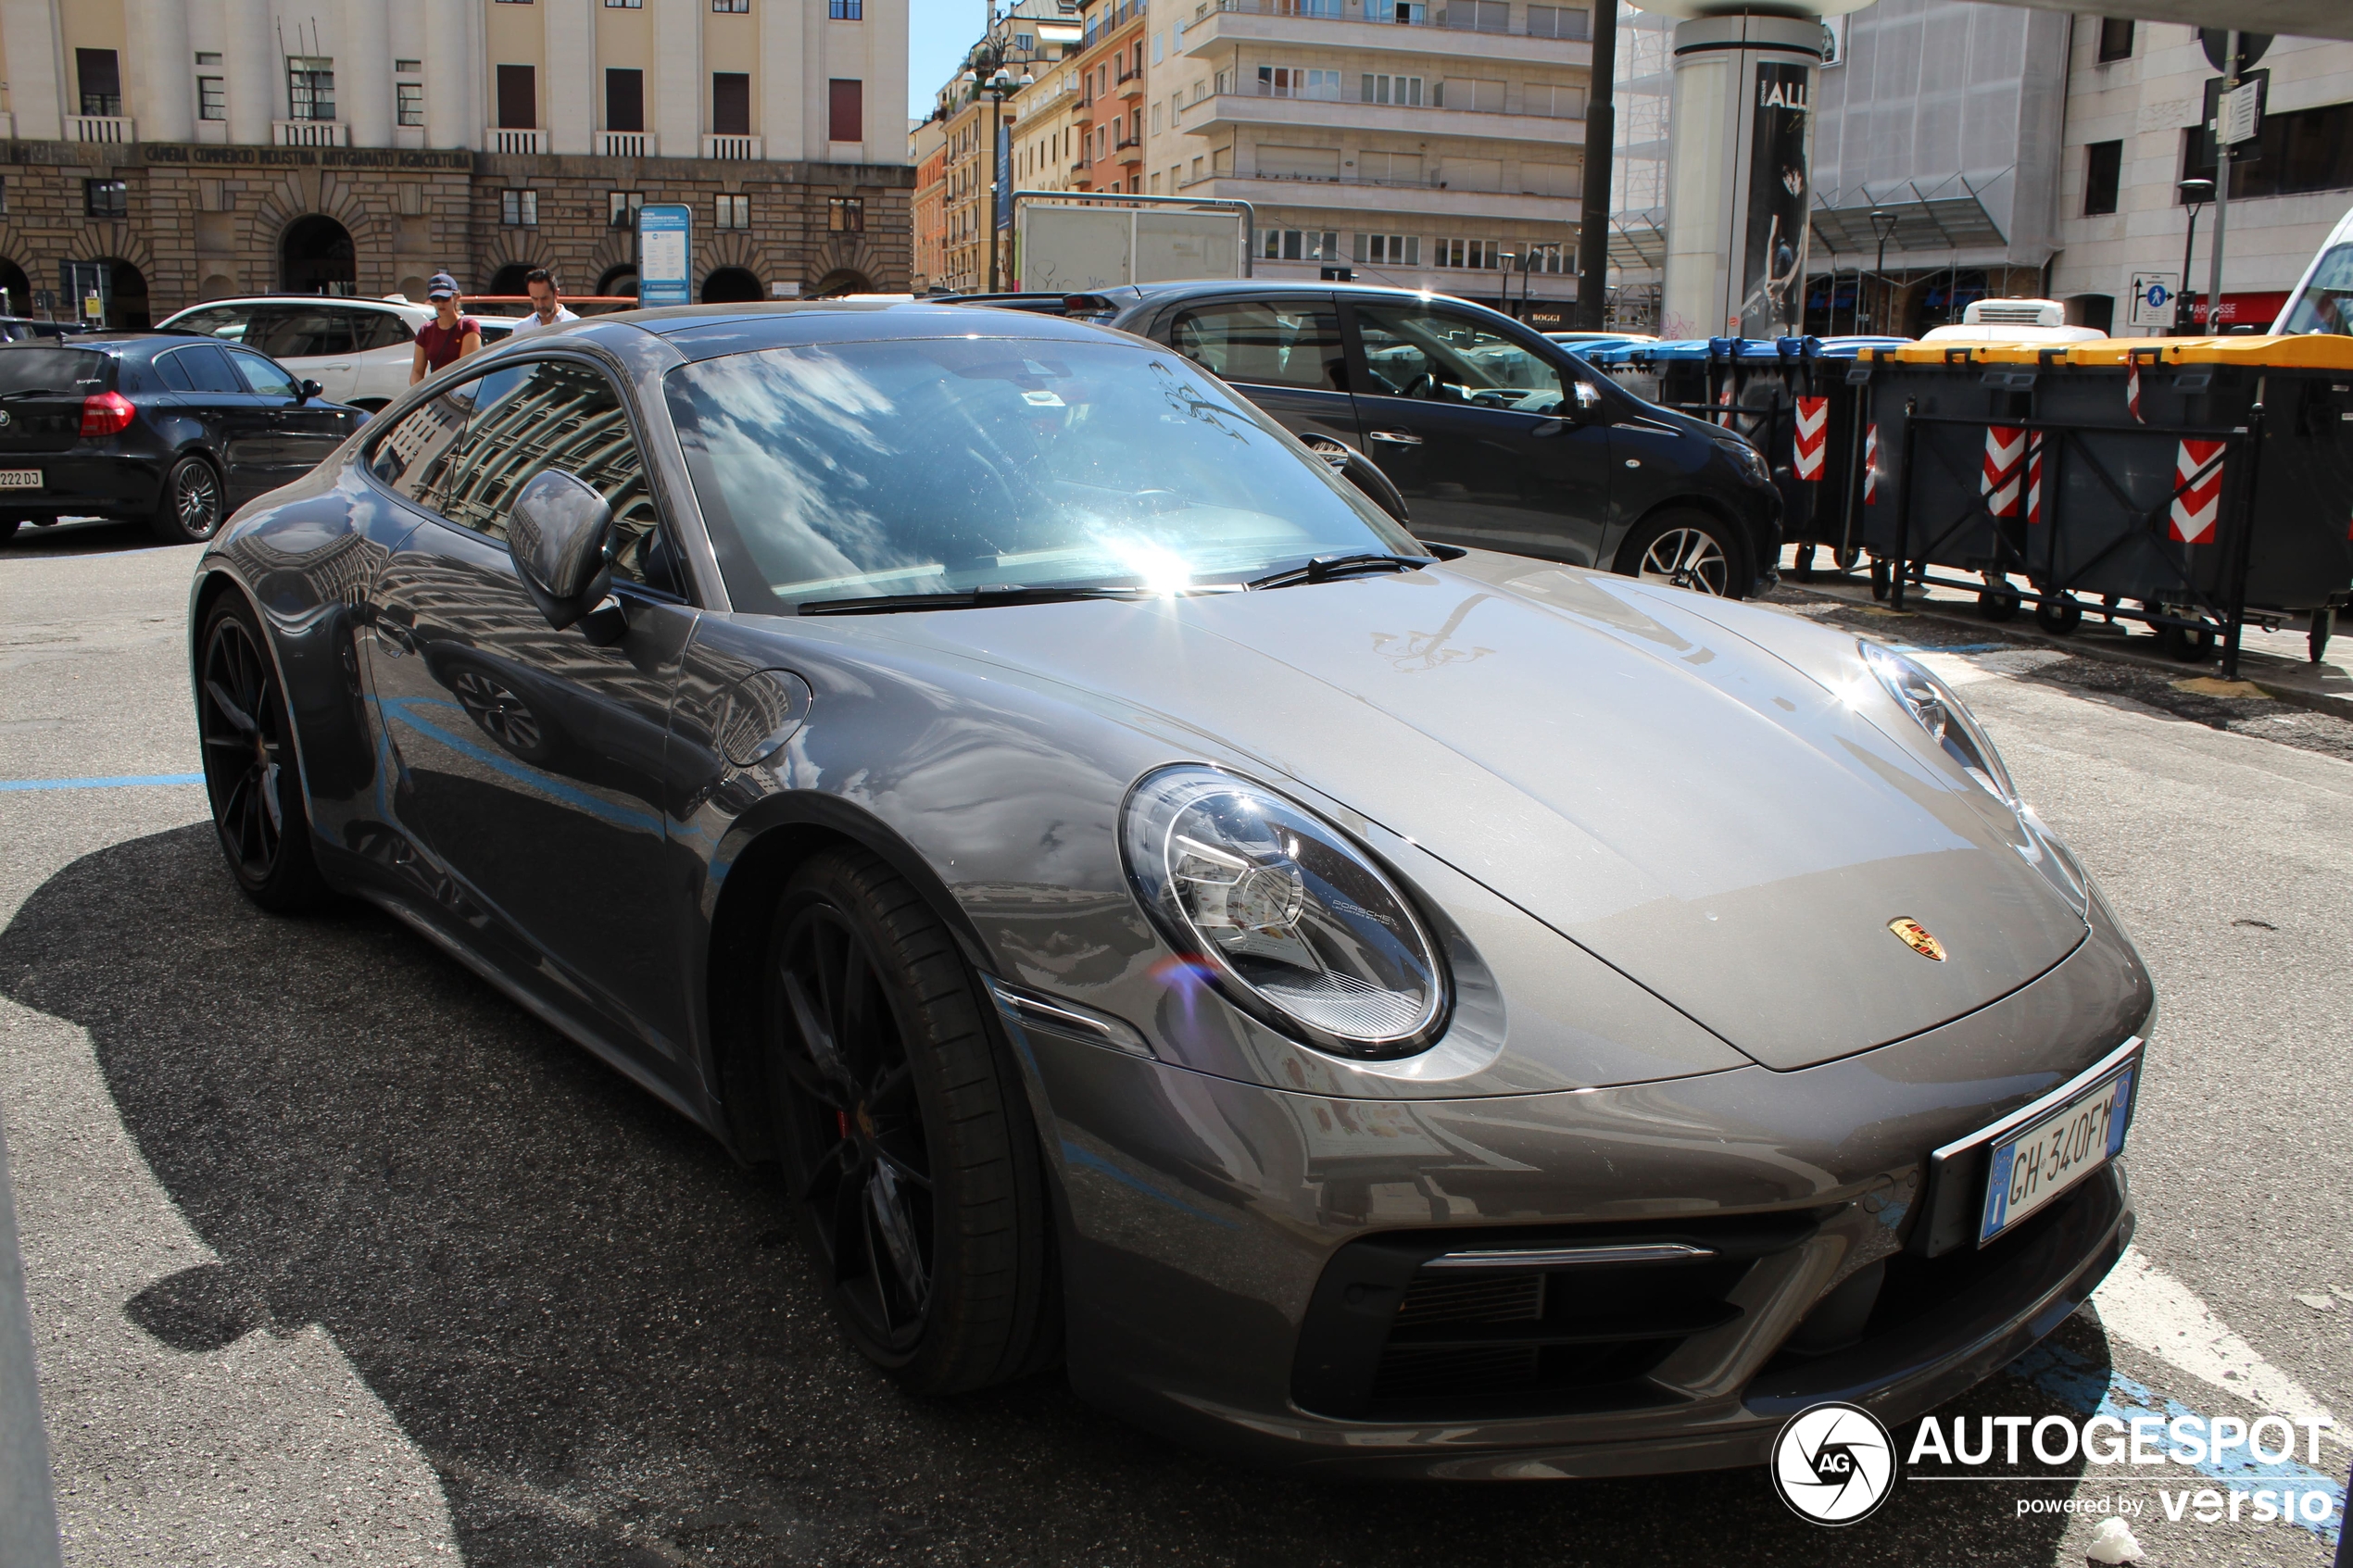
pixel 158 428
pixel 1497 437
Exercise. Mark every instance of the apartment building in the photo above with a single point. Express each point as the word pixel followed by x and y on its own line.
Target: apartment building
pixel 1109 117
pixel 2138 97
pixel 1029 38
pixel 167 151
pixel 1427 146
pixel 928 156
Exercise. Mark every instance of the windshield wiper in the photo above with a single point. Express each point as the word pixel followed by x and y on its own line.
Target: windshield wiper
pixel 967 599
pixel 1323 569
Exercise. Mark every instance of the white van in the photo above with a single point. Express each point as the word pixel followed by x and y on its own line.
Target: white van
pixel 2322 299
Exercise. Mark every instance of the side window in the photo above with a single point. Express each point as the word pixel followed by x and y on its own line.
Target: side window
pixel 378 329
pixel 519 421
pixel 1269 342
pixel 421 449
pixel 221 321
pixel 298 331
pixel 1413 351
pixel 207 369
pixel 173 372
pixel 261 377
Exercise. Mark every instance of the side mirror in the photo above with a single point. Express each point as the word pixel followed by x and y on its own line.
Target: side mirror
pixel 308 390
pixel 558 533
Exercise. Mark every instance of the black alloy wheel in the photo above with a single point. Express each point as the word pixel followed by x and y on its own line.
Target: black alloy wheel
pixel 911 1158
pixel 249 768
pixel 190 509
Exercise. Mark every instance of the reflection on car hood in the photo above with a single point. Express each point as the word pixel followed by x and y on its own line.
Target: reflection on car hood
pixel 1729 832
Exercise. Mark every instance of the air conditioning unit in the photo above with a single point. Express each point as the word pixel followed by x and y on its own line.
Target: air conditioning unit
pixel 2015 313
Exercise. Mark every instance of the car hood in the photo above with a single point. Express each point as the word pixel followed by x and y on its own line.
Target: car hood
pixel 1732 833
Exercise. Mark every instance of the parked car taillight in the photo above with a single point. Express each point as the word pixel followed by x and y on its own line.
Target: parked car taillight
pixel 105 413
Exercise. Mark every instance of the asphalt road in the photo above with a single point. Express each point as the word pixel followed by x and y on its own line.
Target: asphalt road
pixel 335 1255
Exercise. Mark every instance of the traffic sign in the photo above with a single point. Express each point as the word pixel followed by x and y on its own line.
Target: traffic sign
pixel 665 253
pixel 2153 296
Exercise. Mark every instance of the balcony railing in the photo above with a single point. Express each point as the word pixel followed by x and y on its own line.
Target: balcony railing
pixel 508 139
pixel 111 128
pixel 735 149
pixel 626 143
pixel 309 133
pixel 1570 22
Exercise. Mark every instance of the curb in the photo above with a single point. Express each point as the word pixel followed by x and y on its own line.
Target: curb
pixel 2033 636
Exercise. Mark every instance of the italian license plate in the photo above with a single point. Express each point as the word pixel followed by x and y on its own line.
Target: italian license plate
pixel 19 479
pixel 2037 1163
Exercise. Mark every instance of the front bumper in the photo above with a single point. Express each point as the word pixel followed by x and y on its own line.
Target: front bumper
pixel 1208 1226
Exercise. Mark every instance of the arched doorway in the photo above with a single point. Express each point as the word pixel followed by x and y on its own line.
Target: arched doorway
pixel 618 280
pixel 842 280
pixel 315 257
pixel 509 279
pixel 730 285
pixel 127 311
pixel 19 289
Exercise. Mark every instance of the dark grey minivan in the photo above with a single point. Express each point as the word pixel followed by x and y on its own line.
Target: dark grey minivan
pixel 1497 437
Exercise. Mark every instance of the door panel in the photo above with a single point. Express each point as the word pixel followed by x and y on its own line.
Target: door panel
pixel 1286 356
pixel 530 761
pixel 1479 432
pixel 302 432
pixel 242 432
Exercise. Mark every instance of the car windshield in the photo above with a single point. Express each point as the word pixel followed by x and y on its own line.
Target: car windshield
pixel 2326 304
pixel 945 466
pixel 38 370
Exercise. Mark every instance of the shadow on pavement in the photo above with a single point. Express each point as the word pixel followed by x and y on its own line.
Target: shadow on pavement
pixel 587 1319
pixel 83 536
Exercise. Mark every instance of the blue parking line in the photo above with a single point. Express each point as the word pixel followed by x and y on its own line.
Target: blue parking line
pixel 120 781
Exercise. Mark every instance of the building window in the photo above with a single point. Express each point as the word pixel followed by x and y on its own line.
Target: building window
pixel 620 209
pixel 846 215
pixel 2296 152
pixel 2102 171
pixel 399 67
pixel 410 100
pixel 846 10
pixel 1465 253
pixel 310 87
pixel 625 5
pixel 1299 244
pixel 731 212
pixel 100 75
pixel 2116 39
pixel 518 98
pixel 845 110
pixel 730 103
pixel 1558 22
pixel 624 100
pixel 106 198
pixel 1406 90
pixel 734 7
pixel 212 99
pixel 519 210
pixel 1389 250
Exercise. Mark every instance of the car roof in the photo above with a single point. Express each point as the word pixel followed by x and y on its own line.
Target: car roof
pixel 345 301
pixel 104 341
pixel 702 332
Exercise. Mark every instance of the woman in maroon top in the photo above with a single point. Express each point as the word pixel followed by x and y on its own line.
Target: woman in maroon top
pixel 450 337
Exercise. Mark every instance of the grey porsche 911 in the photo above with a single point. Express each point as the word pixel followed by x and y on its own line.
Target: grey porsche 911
pixel 1361 1006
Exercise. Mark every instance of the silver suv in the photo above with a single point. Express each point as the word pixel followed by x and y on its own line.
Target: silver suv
pixel 358 350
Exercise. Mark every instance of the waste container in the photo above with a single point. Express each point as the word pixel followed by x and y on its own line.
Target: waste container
pixel 1791 397
pixel 2195 484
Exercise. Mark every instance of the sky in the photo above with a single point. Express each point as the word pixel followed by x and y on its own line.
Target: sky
pixel 939 32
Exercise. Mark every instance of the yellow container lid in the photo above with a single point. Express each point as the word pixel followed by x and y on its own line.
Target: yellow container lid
pixel 2307 351
pixel 1979 352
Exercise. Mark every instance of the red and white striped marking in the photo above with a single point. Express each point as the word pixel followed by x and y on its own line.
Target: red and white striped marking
pixel 2035 478
pixel 2133 390
pixel 2004 449
pixel 1813 435
pixel 1870 464
pixel 2197 501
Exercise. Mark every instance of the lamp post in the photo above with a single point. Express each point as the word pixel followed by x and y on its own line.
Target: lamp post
pixel 1883 227
pixel 2196 193
pixel 991 71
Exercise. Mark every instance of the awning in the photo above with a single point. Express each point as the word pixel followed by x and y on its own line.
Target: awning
pixel 1946 216
pixel 1638 240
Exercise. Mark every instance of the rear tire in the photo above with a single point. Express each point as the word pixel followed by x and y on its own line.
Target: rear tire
pixel 250 771
pixel 2191 645
pixel 1684 547
pixel 191 507
pixel 913 1166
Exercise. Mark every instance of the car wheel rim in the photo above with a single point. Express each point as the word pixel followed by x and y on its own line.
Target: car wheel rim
pixel 199 501
pixel 498 711
pixel 864 1181
pixel 1687 557
pixel 244 752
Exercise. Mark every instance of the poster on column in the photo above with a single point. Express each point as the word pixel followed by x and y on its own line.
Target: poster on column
pixel 1773 272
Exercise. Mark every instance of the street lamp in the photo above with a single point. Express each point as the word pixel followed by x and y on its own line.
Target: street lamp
pixel 2195 193
pixel 1883 226
pixel 991 72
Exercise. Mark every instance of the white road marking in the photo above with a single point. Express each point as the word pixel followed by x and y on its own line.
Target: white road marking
pixel 2150 1310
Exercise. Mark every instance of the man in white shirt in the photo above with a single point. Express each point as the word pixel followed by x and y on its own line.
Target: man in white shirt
pixel 545 303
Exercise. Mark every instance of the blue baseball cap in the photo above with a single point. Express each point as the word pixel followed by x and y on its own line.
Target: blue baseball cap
pixel 443 286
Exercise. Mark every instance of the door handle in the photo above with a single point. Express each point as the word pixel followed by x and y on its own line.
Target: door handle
pixel 1394 437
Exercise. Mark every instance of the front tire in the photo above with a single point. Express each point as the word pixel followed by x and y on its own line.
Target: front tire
pixel 1684 547
pixel 913 1166
pixel 250 773
pixel 191 507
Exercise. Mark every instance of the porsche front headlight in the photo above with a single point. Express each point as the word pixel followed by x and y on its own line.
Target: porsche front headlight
pixel 1947 720
pixel 1295 923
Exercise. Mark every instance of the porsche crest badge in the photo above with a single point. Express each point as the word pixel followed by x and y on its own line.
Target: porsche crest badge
pixel 1917 937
